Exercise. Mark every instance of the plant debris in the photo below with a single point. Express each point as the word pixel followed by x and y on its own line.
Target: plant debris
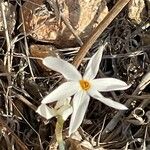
pixel 8 15
pixel 33 29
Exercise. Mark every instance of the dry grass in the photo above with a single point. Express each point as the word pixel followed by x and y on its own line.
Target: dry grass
pixel 23 84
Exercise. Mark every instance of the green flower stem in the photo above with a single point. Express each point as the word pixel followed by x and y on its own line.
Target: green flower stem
pixel 58 132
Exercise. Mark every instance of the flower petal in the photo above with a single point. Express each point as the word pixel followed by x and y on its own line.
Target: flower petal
pixel 62 102
pixel 65 111
pixel 80 104
pixel 95 94
pixel 109 84
pixel 93 65
pixel 64 91
pixel 65 68
pixel 45 111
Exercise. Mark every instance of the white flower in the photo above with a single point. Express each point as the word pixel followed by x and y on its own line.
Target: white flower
pixel 82 87
pixel 62 108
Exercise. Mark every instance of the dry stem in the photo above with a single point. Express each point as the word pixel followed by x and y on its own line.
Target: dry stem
pixel 98 31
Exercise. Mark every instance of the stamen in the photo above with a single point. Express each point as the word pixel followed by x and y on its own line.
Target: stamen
pixel 85 85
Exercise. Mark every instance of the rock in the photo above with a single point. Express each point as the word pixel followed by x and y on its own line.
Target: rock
pixel 42 51
pixel 137 11
pixel 43 24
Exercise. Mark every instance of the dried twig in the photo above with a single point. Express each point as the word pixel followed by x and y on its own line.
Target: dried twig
pixel 25 101
pixel 20 143
pixel 66 21
pixel 113 123
pixel 59 15
pixel 8 57
pixel 98 31
pixel 26 45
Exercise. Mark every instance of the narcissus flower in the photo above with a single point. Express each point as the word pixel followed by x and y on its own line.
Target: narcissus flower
pixel 63 109
pixel 82 87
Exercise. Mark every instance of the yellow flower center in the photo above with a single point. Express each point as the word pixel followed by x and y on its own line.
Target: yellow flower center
pixel 85 85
